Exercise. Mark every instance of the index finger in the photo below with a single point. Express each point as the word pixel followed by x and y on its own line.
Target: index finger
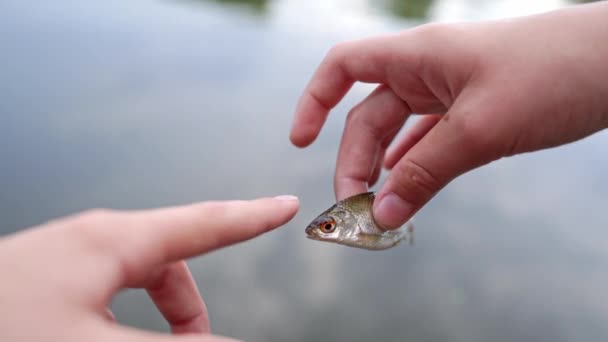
pixel 138 241
pixel 362 60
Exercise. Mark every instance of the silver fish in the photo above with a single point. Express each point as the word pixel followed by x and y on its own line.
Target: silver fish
pixel 350 222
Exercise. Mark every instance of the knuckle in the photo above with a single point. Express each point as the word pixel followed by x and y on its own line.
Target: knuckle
pixel 93 216
pixel 476 134
pixel 379 115
pixel 374 126
pixel 93 228
pixel 337 49
pixel 357 120
pixel 416 184
pixel 337 54
pixel 432 31
pixel 218 208
pixel 353 116
pixel 220 211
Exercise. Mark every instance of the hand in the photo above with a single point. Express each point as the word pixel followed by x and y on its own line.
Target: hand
pixel 491 89
pixel 59 278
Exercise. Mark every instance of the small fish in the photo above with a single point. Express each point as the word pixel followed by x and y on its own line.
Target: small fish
pixel 349 222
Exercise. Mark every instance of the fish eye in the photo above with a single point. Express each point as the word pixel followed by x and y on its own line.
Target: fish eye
pixel 328 227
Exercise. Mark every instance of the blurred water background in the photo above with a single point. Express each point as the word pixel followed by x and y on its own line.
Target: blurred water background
pixel 138 104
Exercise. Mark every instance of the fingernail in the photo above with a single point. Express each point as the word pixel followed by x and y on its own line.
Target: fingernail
pixel 392 211
pixel 287 198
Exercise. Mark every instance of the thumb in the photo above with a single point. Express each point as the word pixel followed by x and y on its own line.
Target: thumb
pixel 458 143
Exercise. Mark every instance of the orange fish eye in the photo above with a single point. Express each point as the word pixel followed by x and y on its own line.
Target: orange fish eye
pixel 328 226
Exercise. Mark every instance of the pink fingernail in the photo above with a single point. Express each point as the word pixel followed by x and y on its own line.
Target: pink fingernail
pixel 287 198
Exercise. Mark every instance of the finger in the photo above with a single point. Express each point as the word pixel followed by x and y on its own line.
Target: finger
pixel 411 137
pixel 125 334
pixel 363 60
pixel 137 242
pixel 109 315
pixel 175 294
pixel 456 144
pixel 368 130
pixel 377 169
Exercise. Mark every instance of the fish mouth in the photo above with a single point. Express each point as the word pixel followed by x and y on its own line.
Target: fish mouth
pixel 310 232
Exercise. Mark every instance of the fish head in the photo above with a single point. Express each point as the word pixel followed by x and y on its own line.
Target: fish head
pixel 334 225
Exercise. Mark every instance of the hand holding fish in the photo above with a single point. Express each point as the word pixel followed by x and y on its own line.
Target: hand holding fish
pixel 60 277
pixel 489 89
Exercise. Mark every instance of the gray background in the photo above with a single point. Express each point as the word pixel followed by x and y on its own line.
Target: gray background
pixel 138 104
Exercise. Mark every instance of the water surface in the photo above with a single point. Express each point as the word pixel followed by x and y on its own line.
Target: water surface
pixel 138 104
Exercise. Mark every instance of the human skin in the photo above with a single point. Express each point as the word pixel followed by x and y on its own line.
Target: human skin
pixel 60 277
pixel 490 89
